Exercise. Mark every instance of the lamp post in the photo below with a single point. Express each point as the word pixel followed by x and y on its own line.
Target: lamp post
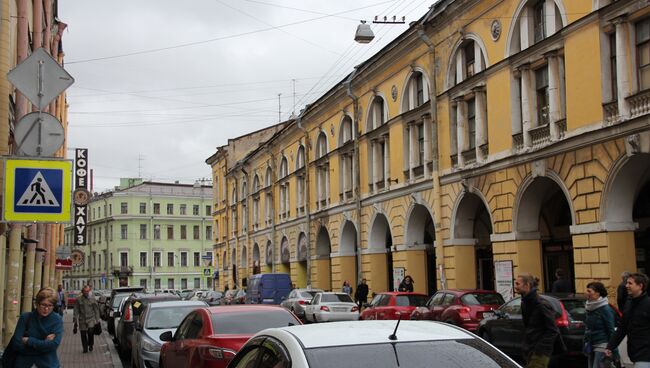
pixel 364 33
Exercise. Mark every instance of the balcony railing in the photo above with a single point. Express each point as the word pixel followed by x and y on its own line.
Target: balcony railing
pixel 122 271
pixel 540 136
pixel 518 141
pixel 640 103
pixel 469 156
pixel 611 113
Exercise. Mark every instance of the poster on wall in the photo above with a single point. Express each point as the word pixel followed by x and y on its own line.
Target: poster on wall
pixel 398 276
pixel 504 279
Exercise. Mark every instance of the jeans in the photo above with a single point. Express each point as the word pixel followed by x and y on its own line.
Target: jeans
pixel 87 338
pixel 596 360
pixel 641 364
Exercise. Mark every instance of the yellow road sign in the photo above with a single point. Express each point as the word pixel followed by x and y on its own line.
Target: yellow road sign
pixel 37 190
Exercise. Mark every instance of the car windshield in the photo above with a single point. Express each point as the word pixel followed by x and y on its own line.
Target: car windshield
pixel 411 300
pixel 336 298
pixel 117 299
pixel 482 299
pixel 165 318
pixel 250 322
pixel 461 353
pixel 308 294
pixel 575 308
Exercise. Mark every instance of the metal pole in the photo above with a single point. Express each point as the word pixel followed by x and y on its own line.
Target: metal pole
pixel 3 252
pixel 12 294
pixel 28 285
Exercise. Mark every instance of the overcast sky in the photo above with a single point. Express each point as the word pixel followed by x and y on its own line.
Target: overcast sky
pixel 161 83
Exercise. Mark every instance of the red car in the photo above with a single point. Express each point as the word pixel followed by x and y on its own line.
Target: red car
pixel 462 308
pixel 210 337
pixel 393 305
pixel 71 298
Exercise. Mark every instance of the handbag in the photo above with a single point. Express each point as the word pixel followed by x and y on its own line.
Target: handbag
pixel 11 354
pixel 97 330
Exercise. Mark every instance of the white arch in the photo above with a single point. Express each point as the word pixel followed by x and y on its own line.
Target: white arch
pixel 415 223
pixel 426 86
pixel 348 239
pixel 243 261
pixel 459 213
pixel 285 252
pixel 318 144
pixel 323 242
pixel 451 67
pixel 369 108
pixel 344 119
pixel 302 248
pixel 301 151
pixel 515 21
pixel 269 253
pixel 377 239
pixel 256 252
pixel 284 167
pixel 525 218
pixel 627 177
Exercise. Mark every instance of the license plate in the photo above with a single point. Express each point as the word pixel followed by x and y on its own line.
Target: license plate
pixel 340 309
pixel 488 314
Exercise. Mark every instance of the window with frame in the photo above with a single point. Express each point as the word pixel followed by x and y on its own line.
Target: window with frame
pixel 143 231
pixel 170 232
pixel 124 259
pixel 170 284
pixel 124 231
pixel 111 232
pixel 208 233
pixel 156 232
pixel 143 259
pixel 471 123
pixel 612 66
pixel 183 259
pixel 156 283
pixel 183 232
pixel 542 93
pixel 376 116
pixel 157 259
pixel 208 210
pixel 183 209
pixel 470 58
pixel 643 52
pixel 143 283
pixel 197 259
pixel 197 282
pixel 170 208
pixel 183 283
pixel 170 259
pixel 156 208
pixel 196 230
pixel 420 144
pixel 195 210
pixel 124 208
pixel 110 209
pixel 143 208
pixel 539 21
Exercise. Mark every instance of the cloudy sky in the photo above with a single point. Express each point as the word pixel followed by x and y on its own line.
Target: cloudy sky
pixel 161 83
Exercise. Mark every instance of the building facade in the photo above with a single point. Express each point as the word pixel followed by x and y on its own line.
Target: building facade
pixel 489 131
pixel 149 234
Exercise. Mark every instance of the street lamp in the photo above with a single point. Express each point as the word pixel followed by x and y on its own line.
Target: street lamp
pixel 364 33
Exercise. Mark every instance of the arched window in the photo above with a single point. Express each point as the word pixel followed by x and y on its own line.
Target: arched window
pixel 467 60
pixel 376 113
pixel 284 171
pixel 284 189
pixel 300 180
pixel 535 20
pixel 256 202
pixel 345 133
pixel 300 158
pixel 321 145
pixel 256 184
pixel 323 172
pixel 268 180
pixel 416 93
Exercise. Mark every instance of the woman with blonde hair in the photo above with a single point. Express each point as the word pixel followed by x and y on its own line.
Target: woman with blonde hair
pixel 38 334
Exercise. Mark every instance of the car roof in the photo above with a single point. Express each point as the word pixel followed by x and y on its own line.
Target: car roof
pixel 467 291
pixel 332 293
pixel 368 332
pixel 304 289
pixel 245 308
pixel 153 297
pixel 400 293
pixel 177 303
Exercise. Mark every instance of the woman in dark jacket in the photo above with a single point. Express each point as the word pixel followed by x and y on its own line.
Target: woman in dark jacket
pixel 600 324
pixel 406 284
pixel 36 346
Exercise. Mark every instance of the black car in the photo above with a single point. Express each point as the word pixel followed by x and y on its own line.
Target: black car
pixel 130 311
pixel 113 303
pixel 505 328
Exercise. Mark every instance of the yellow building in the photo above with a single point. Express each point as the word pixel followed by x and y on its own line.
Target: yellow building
pixel 510 130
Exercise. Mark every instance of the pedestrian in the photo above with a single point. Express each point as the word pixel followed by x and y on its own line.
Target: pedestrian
pixel 406 284
pixel 636 323
pixel 38 334
pixel 60 302
pixel 621 291
pixel 86 316
pixel 540 330
pixel 600 325
pixel 361 295
pixel 561 283
pixel 346 287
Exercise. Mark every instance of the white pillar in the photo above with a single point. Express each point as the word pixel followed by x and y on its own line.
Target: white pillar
pixel 460 65
pixel 344 174
pixel 413 150
pixel 525 28
pixel 480 117
pixel 375 164
pixel 554 94
pixel 549 17
pixel 478 60
pixel 428 150
pixel 461 123
pixel 354 173
pixel 622 80
pixel 319 188
pixel 386 162
pixel 526 95
pixel 327 184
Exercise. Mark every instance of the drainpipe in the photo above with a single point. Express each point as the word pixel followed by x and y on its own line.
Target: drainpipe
pixel 357 172
pixel 435 173
pixel 306 197
pixel 272 204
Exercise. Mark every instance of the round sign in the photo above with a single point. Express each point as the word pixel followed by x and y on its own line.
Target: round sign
pixel 38 134
pixel 81 196
pixel 77 257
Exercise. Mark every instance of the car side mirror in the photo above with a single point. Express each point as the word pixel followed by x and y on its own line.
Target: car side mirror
pixel 166 336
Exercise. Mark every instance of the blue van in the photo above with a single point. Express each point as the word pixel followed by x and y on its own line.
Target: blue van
pixel 268 288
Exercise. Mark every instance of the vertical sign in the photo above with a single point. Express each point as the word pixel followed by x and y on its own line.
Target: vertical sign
pixel 503 277
pixel 81 195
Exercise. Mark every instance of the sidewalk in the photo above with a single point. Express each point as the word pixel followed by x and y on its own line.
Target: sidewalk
pixel 70 353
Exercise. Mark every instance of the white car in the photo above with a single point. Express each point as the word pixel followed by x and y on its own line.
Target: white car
pixel 386 344
pixel 330 307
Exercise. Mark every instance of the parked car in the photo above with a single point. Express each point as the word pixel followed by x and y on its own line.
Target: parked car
pixel 462 308
pixel 268 288
pixel 210 337
pixel 199 294
pixel 71 298
pixel 297 300
pixel 505 328
pixel 129 312
pixel 393 305
pixel 113 305
pixel 370 344
pixel 212 297
pixel 186 294
pixel 330 307
pixel 156 319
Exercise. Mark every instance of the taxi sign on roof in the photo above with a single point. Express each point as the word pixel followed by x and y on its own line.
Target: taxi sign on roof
pixel 37 190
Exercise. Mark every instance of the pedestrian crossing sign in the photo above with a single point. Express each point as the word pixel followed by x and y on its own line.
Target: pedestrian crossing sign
pixel 37 190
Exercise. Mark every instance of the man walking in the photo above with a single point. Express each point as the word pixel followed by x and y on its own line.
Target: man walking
pixel 636 322
pixel 361 295
pixel 60 303
pixel 621 292
pixel 540 330
pixel 86 316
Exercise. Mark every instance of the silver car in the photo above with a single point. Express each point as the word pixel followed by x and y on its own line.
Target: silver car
pixel 331 307
pixel 298 299
pixel 156 319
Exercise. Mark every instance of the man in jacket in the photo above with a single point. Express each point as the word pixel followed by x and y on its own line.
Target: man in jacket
pixel 86 316
pixel 540 330
pixel 621 292
pixel 361 295
pixel 636 322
